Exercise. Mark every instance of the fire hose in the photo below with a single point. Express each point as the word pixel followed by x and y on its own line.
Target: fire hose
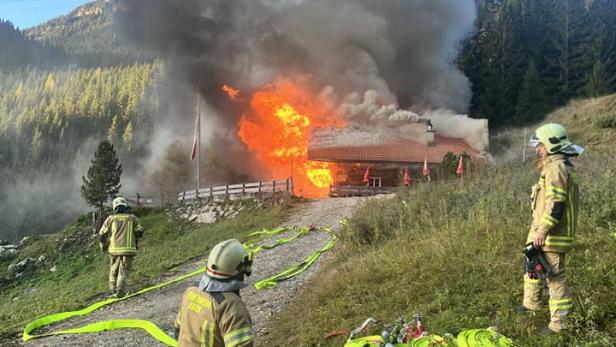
pixel 403 335
pixel 153 329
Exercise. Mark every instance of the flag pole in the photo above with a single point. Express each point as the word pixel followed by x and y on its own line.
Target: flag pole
pixel 198 141
pixel 524 147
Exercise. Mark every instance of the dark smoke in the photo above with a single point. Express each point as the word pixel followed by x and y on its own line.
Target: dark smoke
pixel 403 49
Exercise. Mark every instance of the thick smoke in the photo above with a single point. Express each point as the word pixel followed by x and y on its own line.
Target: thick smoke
pixel 394 57
pixel 402 49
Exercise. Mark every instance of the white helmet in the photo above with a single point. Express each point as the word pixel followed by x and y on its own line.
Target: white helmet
pixel 228 259
pixel 119 201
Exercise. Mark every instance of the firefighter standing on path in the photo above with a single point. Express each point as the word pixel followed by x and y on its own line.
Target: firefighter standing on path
pixel 213 314
pixel 119 235
pixel 555 210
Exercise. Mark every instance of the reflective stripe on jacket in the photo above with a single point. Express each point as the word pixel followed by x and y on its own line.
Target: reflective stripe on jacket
pixel 213 320
pixel 123 240
pixel 555 203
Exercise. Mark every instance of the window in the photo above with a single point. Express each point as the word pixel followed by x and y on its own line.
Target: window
pixel 374 182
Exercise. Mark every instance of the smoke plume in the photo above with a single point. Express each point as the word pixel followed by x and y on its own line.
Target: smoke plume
pixel 380 61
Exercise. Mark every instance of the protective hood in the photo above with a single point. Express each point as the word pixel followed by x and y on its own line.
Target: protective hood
pixel 213 285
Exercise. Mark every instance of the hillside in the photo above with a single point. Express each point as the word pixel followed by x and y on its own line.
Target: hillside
pixel 88 36
pixel 529 57
pixel 71 263
pixel 23 51
pixel 50 120
pixel 452 252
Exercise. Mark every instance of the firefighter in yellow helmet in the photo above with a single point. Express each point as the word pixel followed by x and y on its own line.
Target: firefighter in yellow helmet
pixel 555 205
pixel 213 314
pixel 119 237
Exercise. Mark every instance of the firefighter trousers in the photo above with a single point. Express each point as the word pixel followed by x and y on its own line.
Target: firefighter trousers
pixel 120 267
pixel 560 302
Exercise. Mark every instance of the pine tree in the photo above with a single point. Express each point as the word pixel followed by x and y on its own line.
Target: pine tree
pixel 103 179
pixel 531 104
pixel 597 83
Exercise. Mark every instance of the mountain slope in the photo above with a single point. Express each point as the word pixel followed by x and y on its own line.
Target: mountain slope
pixel 451 251
pixel 87 35
pixel 23 51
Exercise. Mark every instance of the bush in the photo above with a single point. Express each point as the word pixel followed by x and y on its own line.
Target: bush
pixel 605 121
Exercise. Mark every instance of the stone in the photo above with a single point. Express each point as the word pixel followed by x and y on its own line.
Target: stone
pixel 7 252
pixel 193 218
pixel 3 242
pixel 24 240
pixel 18 268
pixel 53 269
pixel 207 218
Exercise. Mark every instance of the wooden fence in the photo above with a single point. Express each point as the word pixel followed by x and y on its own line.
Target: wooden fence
pixel 147 201
pixel 239 190
pixel 342 191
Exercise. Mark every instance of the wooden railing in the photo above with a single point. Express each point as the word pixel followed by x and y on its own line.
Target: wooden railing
pixel 341 191
pixel 243 189
pixel 147 201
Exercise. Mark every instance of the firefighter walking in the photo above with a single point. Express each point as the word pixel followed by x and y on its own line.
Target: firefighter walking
pixel 119 237
pixel 213 314
pixel 555 205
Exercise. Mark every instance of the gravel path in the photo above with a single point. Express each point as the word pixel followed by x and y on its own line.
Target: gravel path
pixel 160 306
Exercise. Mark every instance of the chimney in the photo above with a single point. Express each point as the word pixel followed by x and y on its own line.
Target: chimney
pixel 430 134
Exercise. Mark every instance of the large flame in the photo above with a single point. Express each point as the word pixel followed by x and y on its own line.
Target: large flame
pixel 278 127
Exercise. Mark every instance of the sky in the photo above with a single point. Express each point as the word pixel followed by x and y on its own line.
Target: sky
pixel 27 13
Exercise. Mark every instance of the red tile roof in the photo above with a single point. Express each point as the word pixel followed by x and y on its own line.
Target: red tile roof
pixel 398 150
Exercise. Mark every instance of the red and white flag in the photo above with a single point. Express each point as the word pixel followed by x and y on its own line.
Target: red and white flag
pixel 426 169
pixel 406 179
pixel 460 169
pixel 193 153
pixel 367 176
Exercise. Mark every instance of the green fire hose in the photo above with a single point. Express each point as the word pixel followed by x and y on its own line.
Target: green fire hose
pixel 151 328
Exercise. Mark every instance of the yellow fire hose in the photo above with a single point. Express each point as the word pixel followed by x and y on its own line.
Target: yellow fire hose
pixel 151 328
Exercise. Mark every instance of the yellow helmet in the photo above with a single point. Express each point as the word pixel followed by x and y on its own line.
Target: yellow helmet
pixel 119 201
pixel 228 259
pixel 553 136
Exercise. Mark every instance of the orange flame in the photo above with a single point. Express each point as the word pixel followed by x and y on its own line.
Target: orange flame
pixel 277 129
pixel 233 93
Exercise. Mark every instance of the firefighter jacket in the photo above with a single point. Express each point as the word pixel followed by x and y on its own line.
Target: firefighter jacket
pixel 555 204
pixel 121 231
pixel 213 320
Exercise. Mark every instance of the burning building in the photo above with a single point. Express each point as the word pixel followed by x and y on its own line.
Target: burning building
pixel 273 72
pixel 366 158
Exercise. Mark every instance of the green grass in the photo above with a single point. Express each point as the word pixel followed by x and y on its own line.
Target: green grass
pixel 82 268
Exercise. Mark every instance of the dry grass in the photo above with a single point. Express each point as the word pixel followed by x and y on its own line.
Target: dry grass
pixel 452 252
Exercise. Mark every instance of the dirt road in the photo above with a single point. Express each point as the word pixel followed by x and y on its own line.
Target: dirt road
pixel 160 306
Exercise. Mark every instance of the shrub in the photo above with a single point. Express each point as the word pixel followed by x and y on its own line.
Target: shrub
pixel 605 121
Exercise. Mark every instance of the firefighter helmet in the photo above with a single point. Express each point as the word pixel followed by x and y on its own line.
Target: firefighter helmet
pixel 228 259
pixel 553 136
pixel 119 201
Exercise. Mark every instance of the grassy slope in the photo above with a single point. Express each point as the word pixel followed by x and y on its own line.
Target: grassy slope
pixel 81 274
pixel 452 253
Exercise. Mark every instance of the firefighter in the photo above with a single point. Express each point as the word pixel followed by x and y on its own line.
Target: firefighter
pixel 119 237
pixel 213 314
pixel 555 211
